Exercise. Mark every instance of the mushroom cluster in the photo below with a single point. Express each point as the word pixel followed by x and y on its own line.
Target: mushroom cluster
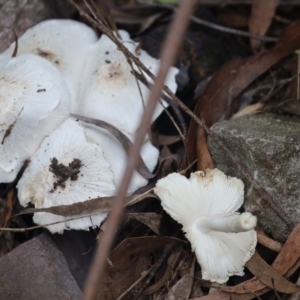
pixel 34 100
pixel 61 68
pixel 206 204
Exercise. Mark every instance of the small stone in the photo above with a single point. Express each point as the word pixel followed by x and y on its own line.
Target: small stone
pixel 268 147
pixel 37 270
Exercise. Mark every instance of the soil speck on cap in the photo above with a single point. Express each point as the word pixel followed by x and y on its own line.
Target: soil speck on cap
pixel 63 173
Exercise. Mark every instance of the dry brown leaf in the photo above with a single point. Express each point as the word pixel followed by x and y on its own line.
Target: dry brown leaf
pixel 6 207
pixel 266 274
pixel 183 287
pixel 232 78
pixel 152 220
pixel 168 162
pixel 203 155
pixel 121 137
pixel 86 208
pixel 268 242
pixel 120 272
pixel 161 282
pixel 262 13
pixel 98 205
pixel 148 22
pixel 210 113
pixel 289 254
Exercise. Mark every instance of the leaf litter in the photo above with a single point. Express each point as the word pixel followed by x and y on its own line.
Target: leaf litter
pixel 262 14
pixel 134 259
pixel 231 79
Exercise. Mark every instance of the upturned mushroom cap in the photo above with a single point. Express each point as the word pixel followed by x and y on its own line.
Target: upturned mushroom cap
pixel 34 100
pixel 110 91
pixel 64 43
pixel 205 205
pixel 66 169
pixel 74 164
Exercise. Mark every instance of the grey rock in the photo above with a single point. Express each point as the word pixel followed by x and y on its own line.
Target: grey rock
pixel 268 146
pixel 78 255
pixel 20 15
pixel 37 270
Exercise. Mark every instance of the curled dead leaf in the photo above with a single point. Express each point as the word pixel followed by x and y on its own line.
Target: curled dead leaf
pixel 120 274
pixel 152 220
pixel 183 287
pixel 267 275
pixel 86 208
pixel 268 242
pixel 121 137
pixel 262 13
pixel 172 260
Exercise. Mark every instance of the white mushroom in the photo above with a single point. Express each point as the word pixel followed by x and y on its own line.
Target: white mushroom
pixel 65 43
pixel 94 158
pixel 34 100
pixel 109 90
pixel 66 169
pixel 205 205
pixel 115 154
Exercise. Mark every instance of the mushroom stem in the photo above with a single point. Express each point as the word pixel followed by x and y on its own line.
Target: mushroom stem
pixel 235 223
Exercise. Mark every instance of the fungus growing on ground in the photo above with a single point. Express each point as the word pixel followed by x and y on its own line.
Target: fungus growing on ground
pixel 110 92
pixel 76 161
pixel 65 43
pixel 222 239
pixel 115 154
pixel 74 164
pixel 34 100
pixel 66 169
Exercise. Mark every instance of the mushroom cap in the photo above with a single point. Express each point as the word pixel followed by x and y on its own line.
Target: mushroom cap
pixel 65 43
pixel 34 100
pixel 115 154
pixel 110 92
pixel 40 182
pixel 220 254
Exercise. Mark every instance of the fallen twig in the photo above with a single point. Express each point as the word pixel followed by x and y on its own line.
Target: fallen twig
pixel 223 28
pixel 168 56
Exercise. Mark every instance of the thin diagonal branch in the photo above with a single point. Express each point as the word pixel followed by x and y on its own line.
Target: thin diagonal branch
pixel 168 57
